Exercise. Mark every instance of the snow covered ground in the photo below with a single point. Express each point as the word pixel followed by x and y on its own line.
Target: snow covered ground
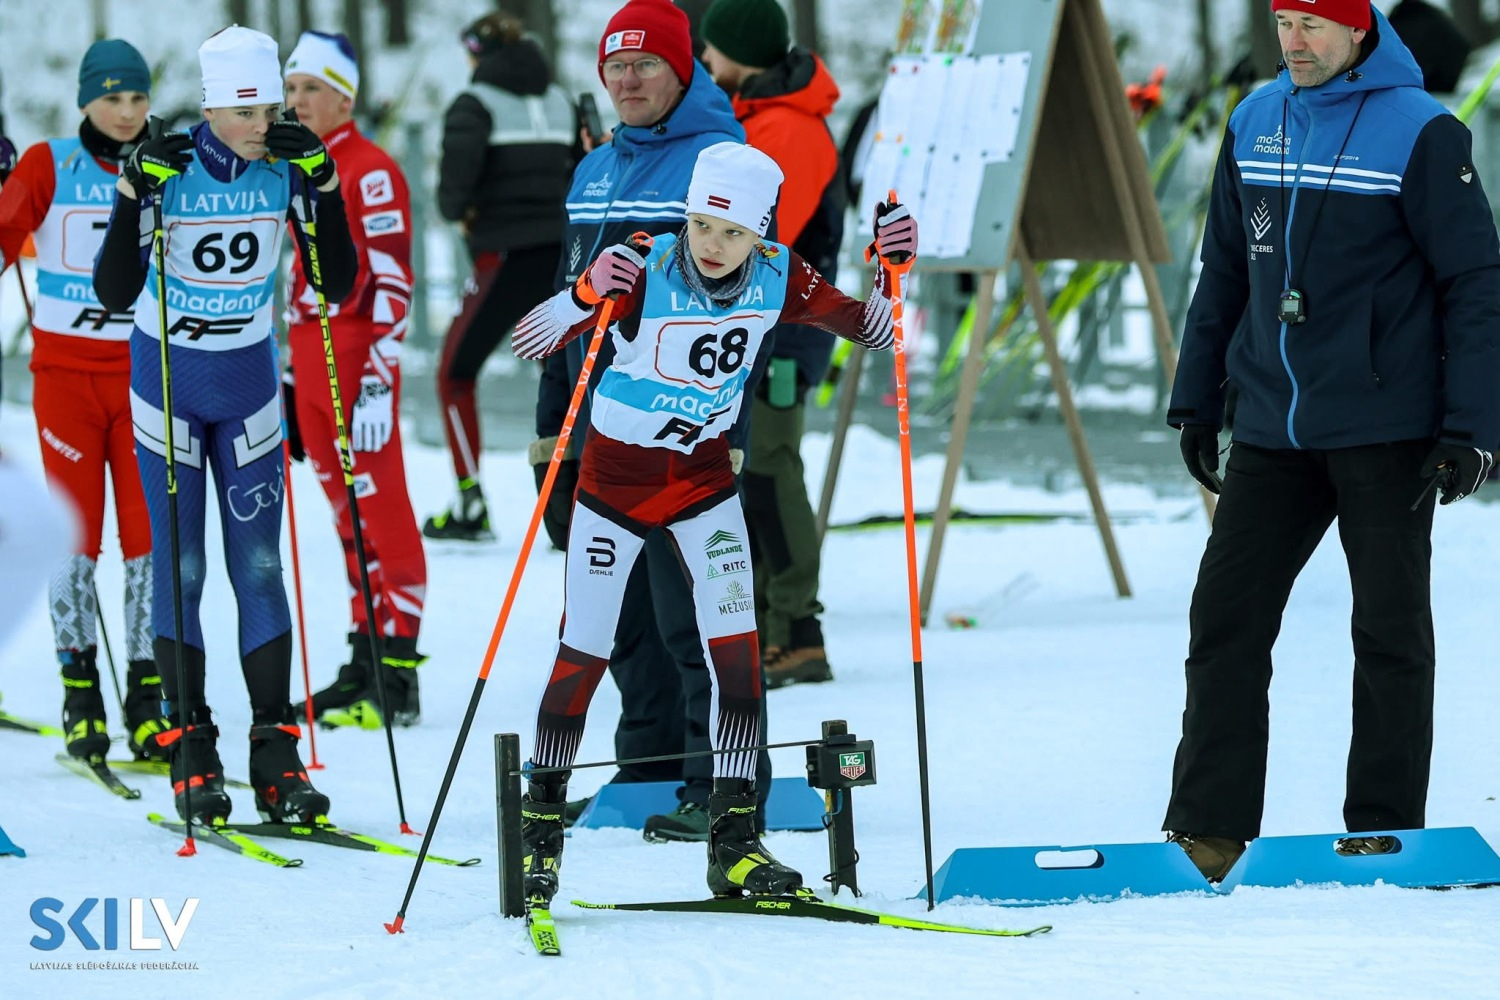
pixel 1053 722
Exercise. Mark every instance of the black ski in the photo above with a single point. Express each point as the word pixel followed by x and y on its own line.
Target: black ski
pixel 222 836
pixel 337 836
pixel 96 769
pixel 806 904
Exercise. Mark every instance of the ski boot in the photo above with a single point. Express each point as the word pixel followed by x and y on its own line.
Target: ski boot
pixel 282 792
pixel 352 680
pixel 399 660
pixel 144 723
pixel 738 862
pixel 468 520
pixel 84 728
pixel 542 809
pixel 195 763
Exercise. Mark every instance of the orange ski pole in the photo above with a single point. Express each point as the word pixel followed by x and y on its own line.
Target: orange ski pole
pixel 580 389
pixel 291 517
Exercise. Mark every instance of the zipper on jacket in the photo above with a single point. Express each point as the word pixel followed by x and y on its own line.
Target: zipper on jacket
pixel 1286 237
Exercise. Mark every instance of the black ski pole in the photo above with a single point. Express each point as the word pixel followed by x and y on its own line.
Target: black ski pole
pixel 159 250
pixel 109 653
pixel 346 462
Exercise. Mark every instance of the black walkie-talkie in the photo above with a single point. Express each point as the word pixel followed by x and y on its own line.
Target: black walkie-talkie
pixel 588 115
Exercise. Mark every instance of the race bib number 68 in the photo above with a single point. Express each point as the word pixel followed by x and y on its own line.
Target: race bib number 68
pixel 703 353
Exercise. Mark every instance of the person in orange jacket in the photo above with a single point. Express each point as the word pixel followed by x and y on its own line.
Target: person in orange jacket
pixel 782 95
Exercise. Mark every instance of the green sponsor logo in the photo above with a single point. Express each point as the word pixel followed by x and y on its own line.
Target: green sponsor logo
pixel 722 543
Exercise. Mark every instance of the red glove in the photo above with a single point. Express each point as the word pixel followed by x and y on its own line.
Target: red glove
pixel 614 272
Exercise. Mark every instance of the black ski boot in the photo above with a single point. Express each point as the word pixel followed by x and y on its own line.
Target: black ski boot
pixel 542 809
pixel 84 728
pixel 282 792
pixel 352 680
pixel 144 723
pixel 468 520
pixel 201 769
pixel 399 660
pixel 738 862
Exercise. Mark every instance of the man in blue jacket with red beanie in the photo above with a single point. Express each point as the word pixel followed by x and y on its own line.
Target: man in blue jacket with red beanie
pixel 1351 294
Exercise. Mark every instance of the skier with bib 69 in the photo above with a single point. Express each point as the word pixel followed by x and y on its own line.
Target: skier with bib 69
pixel 690 315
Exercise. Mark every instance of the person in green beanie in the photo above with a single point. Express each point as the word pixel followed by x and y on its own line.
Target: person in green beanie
pixel 783 95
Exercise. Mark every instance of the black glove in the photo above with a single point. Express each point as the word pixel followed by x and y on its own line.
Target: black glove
pixel 558 515
pixel 289 412
pixel 1458 469
pixel 1200 451
pixel 895 233
pixel 155 158
pixel 7 158
pixel 296 143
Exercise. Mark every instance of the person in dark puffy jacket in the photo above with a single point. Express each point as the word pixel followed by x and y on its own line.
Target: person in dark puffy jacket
pixel 508 153
pixel 1351 294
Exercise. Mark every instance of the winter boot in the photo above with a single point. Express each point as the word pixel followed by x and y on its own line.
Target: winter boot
pixel 83 704
pixel 802 661
pixel 352 680
pixel 542 810
pixel 195 762
pixel 468 520
pixel 399 660
pixel 282 792
pixel 738 862
pixel 144 723
pixel 1356 846
pixel 687 823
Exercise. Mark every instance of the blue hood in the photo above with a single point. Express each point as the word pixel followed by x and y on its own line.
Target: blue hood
pixel 1390 65
pixel 703 108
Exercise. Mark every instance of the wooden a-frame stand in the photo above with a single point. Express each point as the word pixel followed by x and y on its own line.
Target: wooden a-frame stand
pixel 1082 192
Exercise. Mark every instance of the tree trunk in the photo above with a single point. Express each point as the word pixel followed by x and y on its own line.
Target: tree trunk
pixel 1209 59
pixel 304 16
pixel 101 20
pixel 540 21
pixel 354 27
pixel 397 28
pixel 1265 50
pixel 239 12
pixel 805 24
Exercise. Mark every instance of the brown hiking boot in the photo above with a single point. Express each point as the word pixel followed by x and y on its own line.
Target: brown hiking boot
pixel 1213 856
pixel 808 665
pixel 1354 846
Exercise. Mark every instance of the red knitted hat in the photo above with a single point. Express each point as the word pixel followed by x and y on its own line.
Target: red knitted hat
pixel 1354 13
pixel 655 26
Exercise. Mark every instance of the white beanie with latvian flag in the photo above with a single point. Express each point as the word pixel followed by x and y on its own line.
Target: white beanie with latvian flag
pixel 240 67
pixel 735 182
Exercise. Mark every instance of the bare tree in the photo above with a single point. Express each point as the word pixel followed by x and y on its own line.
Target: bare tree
pixel 1209 60
pixel 1472 20
pixel 805 23
pixel 1265 50
pixel 397 28
pixel 239 12
pixel 354 28
pixel 304 16
pixel 540 21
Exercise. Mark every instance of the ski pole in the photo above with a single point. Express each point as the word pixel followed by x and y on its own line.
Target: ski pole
pixel 109 653
pixel 580 389
pixel 895 271
pixel 291 516
pixel 159 251
pixel 346 462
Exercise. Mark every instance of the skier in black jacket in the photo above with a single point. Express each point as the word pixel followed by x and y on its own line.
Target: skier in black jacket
pixel 1351 294
pixel 508 153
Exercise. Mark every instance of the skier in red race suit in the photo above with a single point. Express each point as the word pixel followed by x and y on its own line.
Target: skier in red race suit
pixel 368 328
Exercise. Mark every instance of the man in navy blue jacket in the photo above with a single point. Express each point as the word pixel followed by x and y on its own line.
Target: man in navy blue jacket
pixel 670 109
pixel 1351 294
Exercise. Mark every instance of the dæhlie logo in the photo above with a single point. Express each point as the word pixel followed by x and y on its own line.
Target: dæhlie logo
pixel 47 914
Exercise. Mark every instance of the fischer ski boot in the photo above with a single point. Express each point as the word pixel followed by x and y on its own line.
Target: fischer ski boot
pixel 282 792
pixel 144 723
pixel 351 682
pixel 84 728
pixel 399 660
pixel 468 520
pixel 738 862
pixel 195 762
pixel 542 809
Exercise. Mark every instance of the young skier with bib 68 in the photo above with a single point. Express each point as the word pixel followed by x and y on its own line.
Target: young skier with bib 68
pixel 690 315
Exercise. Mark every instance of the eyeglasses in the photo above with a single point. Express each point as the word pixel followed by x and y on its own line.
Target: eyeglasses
pixel 645 69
